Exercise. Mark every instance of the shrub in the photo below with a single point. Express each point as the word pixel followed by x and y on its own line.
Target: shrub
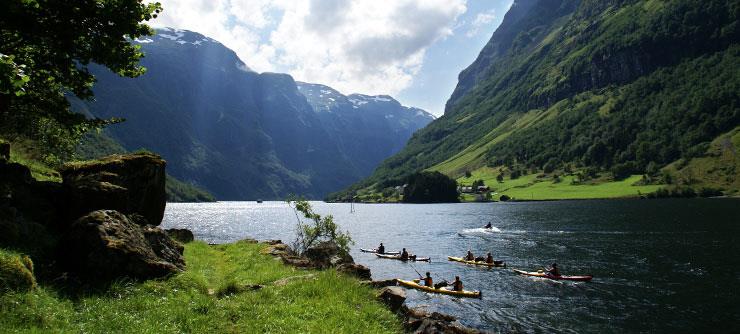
pixel 16 272
pixel 550 166
pixel 504 198
pixel 317 229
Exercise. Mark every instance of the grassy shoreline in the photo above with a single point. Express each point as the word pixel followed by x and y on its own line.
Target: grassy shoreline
pixel 212 295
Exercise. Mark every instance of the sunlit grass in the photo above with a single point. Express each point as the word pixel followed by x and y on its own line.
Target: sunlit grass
pixel 530 187
pixel 326 302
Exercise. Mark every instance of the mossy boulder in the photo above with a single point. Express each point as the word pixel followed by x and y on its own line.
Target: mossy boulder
pixel 181 234
pixel 128 183
pixel 16 272
pixel 106 245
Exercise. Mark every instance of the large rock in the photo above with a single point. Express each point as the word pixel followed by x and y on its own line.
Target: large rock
pixel 181 234
pixel 37 201
pixel 420 322
pixel 393 297
pixel 327 254
pixel 106 245
pixel 356 270
pixel 131 183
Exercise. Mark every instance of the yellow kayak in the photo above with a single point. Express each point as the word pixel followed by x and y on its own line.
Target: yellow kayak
pixel 444 291
pixel 478 263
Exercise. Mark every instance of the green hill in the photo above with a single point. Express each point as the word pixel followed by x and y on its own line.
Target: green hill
pixel 597 91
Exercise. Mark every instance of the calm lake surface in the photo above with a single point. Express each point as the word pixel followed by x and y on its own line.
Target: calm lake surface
pixel 659 265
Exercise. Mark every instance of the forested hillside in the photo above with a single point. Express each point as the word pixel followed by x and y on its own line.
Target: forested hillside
pixel 619 87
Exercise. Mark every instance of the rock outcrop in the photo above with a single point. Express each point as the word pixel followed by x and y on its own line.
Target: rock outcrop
pixel 132 183
pixel 420 322
pixel 59 223
pixel 393 297
pixel 181 234
pixel 355 269
pixel 105 244
pixel 326 255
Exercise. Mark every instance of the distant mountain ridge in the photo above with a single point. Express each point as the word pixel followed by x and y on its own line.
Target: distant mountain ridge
pixel 241 134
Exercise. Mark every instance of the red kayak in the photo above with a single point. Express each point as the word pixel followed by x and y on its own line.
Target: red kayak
pixel 583 278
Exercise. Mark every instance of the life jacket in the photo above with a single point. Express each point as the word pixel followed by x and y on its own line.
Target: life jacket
pixel 428 282
pixel 457 286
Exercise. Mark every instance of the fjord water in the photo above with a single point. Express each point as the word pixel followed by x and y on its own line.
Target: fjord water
pixel 659 265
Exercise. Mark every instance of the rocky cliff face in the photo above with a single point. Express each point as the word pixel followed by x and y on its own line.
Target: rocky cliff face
pixel 237 133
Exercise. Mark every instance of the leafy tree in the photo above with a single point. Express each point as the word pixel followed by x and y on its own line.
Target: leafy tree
pixel 478 183
pixel 500 177
pixel 317 229
pixel 430 187
pixel 468 174
pixel 45 49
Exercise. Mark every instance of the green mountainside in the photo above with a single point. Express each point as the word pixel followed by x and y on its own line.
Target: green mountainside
pixel 595 90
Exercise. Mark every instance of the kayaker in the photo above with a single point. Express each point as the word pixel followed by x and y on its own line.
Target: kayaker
pixel 470 256
pixel 489 258
pixel 381 249
pixel 553 270
pixel 428 280
pixel 457 284
pixel 404 254
pixel 489 226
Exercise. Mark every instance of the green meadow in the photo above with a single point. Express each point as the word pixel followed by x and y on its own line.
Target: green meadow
pixel 532 187
pixel 213 295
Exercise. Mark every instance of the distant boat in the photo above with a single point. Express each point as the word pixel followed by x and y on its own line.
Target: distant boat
pixel 259 201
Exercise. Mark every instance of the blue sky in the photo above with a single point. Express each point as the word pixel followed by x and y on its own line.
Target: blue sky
pixel 412 50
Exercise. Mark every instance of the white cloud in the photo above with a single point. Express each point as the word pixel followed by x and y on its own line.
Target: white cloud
pixel 481 20
pixel 368 46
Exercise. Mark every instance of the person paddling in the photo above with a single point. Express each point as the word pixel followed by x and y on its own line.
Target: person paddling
pixel 489 258
pixel 470 256
pixel 381 249
pixel 553 270
pixel 404 254
pixel 457 284
pixel 428 280
pixel 489 226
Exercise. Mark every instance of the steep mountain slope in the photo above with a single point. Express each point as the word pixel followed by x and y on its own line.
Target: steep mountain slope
pixel 622 85
pixel 221 126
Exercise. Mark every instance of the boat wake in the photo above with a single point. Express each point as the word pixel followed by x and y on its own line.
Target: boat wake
pixel 481 230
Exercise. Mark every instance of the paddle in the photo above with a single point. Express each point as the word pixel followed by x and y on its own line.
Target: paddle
pixel 417 272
